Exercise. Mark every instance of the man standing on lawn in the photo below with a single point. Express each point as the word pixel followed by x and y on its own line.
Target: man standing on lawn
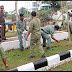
pixel 21 26
pixel 2 51
pixel 49 29
pixel 34 29
pixel 2 21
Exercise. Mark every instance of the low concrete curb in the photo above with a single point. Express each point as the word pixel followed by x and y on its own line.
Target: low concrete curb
pixel 46 62
pixel 15 44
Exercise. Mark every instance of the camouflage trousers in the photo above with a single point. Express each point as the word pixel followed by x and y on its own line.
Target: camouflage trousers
pixel 2 52
pixel 20 40
pixel 46 37
pixel 35 41
pixel 3 31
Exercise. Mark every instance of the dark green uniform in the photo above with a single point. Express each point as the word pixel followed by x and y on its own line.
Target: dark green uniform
pixel 2 22
pixel 34 29
pixel 20 26
pixel 49 29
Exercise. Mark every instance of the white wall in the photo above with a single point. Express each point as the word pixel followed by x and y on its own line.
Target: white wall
pixel 59 13
pixel 59 35
pixel 8 20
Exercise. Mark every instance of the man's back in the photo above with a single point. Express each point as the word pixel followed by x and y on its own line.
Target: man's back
pixel 35 23
pixel 49 28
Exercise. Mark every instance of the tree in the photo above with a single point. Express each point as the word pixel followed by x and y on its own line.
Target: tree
pixel 16 10
pixel 68 25
pixel 55 5
pixel 6 13
pixel 43 16
pixel 24 11
pixel 69 4
pixel 46 2
pixel 11 15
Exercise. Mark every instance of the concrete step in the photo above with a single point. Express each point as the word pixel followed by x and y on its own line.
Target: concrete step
pixel 13 43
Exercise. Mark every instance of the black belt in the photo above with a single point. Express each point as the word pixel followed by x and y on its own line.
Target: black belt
pixel 44 31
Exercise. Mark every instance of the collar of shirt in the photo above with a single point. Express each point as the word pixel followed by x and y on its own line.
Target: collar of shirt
pixel 20 21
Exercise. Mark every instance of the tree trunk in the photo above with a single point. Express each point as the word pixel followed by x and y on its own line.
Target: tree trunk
pixel 62 14
pixel 68 26
pixel 16 2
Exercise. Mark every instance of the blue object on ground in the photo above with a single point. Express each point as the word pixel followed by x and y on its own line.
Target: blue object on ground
pixel 6 23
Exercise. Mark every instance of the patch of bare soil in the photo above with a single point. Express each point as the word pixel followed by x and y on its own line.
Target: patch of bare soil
pixel 11 39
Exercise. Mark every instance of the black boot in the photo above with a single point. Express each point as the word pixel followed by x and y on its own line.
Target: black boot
pixel 43 56
pixel 48 48
pixel 44 45
pixel 21 49
pixel 5 39
pixel 31 57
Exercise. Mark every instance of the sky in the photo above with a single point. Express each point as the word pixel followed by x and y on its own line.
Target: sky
pixel 10 5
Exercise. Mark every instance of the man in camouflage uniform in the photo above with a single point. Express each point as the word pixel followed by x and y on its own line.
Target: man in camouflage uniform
pixel 49 29
pixel 2 51
pixel 2 22
pixel 34 29
pixel 21 26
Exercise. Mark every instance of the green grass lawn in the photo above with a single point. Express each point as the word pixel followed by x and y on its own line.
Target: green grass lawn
pixel 57 20
pixel 11 34
pixel 16 58
pixel 65 67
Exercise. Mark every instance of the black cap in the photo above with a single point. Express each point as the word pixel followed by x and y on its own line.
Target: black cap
pixel 54 22
pixel 56 26
pixel 21 15
pixel 33 13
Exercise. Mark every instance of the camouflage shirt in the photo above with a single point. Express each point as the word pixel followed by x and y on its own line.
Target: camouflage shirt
pixel 49 29
pixel 0 36
pixel 2 15
pixel 21 26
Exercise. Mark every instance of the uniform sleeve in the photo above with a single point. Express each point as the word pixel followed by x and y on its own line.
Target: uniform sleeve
pixel 25 27
pixel 31 27
pixel 17 27
pixel 51 33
